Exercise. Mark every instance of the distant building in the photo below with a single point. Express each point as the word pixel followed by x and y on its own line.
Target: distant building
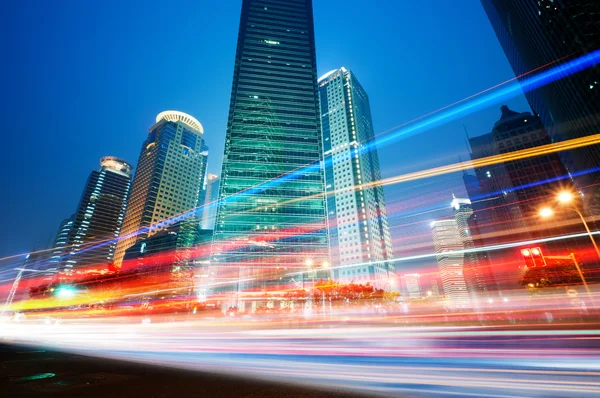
pixel 358 225
pixel 413 285
pixel 61 241
pixel 168 179
pixel 435 289
pixel 447 242
pixel 534 34
pixel 479 278
pixel 92 237
pixel 211 195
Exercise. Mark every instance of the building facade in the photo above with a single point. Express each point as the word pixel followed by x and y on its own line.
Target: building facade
pixel 361 246
pixel 61 240
pixel 447 242
pixel 412 285
pixel 168 179
pixel 506 197
pixel 479 279
pixel 536 33
pixel 96 226
pixel 211 196
pixel 271 217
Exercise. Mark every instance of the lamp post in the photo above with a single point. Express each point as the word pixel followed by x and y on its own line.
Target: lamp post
pixel 565 198
pixel 310 265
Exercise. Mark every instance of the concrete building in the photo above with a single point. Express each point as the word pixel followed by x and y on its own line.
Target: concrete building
pixel 412 285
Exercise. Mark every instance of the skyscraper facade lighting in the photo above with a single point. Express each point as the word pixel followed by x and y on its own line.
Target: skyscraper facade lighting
pixel 358 224
pixel 535 33
pixel 99 217
pixel 168 179
pixel 271 217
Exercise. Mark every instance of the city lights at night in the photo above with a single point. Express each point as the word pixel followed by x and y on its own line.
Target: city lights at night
pixel 295 198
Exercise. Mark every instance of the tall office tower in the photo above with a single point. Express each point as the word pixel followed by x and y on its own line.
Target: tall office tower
pixel 168 179
pixel 447 240
pixel 534 33
pixel 60 247
pixel 507 196
pixel 478 275
pixel 358 225
pixel 99 216
pixel 271 213
pixel 211 195
pixel 412 285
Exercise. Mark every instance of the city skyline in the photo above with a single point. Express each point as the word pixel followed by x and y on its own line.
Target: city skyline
pixel 381 117
pixel 396 198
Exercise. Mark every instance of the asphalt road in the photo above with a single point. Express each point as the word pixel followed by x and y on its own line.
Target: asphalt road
pixel 222 358
pixel 34 372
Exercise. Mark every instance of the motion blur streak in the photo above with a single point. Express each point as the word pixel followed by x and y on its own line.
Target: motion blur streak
pixel 511 90
pixel 469 104
pixel 384 357
pixel 481 162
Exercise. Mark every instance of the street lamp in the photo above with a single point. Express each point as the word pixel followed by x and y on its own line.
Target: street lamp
pixel 311 266
pixel 546 212
pixel 566 198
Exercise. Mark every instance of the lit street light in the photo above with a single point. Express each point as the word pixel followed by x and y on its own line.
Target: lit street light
pixel 546 212
pixel 566 198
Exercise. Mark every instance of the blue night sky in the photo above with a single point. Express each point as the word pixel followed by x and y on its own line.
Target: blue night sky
pixel 85 79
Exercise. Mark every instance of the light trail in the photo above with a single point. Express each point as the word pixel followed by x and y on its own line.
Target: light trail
pixel 451 112
pixel 381 358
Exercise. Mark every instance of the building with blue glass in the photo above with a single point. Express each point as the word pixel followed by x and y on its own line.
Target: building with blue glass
pixel 271 219
pixel 96 225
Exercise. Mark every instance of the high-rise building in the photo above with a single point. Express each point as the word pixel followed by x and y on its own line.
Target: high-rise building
pixel 271 216
pixel 535 33
pixel 435 289
pixel 61 241
pixel 361 245
pixel 448 245
pixel 412 285
pixel 479 278
pixel 506 197
pixel 99 216
pixel 209 207
pixel 168 179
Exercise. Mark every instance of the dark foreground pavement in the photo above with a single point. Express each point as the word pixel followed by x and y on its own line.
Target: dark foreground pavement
pixel 34 372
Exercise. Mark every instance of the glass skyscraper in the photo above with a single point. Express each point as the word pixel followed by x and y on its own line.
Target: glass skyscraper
pixel 97 222
pixel 534 33
pixel 361 246
pixel 271 218
pixel 168 179
pixel 61 240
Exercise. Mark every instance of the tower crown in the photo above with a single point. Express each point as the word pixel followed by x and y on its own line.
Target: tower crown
pixel 176 116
